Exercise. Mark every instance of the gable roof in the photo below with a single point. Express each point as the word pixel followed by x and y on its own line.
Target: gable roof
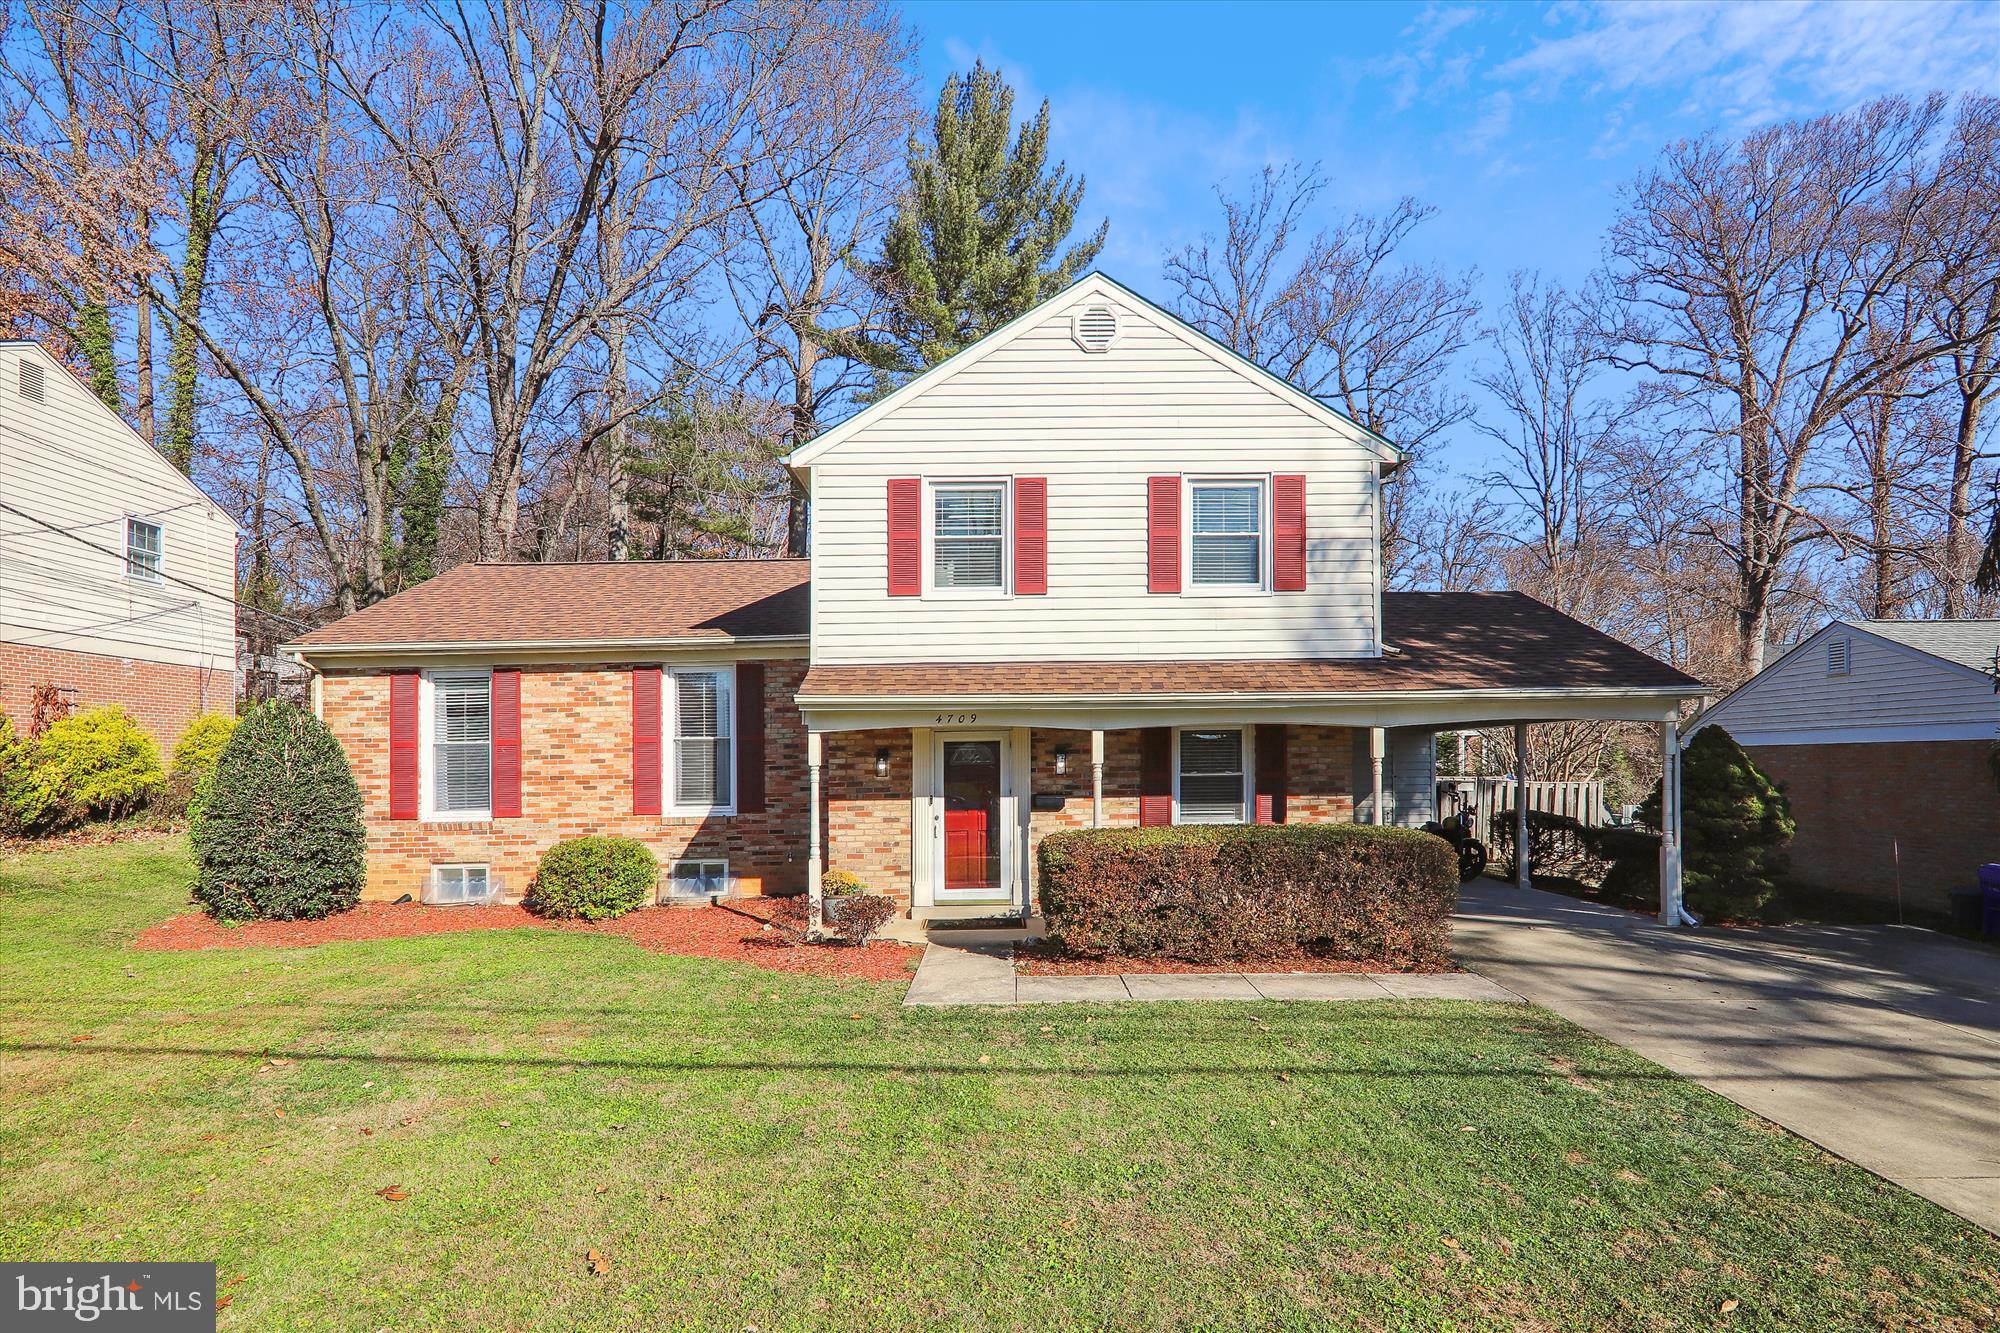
pixel 604 603
pixel 155 460
pixel 1098 286
pixel 1966 643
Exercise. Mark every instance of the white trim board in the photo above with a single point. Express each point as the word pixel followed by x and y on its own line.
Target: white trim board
pixel 1941 731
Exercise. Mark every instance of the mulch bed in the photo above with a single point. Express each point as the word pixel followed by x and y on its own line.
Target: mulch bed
pixel 732 935
pixel 1040 960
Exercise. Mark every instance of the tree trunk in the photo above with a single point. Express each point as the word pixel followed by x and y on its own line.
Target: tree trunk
pixel 142 350
pixel 183 360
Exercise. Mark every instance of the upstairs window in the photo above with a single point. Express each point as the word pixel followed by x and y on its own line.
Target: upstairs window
pixel 143 550
pixel 703 776
pixel 462 745
pixel 1226 534
pixel 1211 777
pixel 969 535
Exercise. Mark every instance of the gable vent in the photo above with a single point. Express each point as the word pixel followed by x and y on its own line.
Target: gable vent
pixel 32 387
pixel 1839 656
pixel 1095 328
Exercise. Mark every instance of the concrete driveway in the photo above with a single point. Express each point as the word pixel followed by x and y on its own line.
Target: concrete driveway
pixel 1879 1043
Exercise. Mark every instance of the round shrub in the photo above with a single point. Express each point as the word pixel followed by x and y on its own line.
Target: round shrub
pixel 282 838
pixel 96 764
pixel 594 878
pixel 191 775
pixel 840 884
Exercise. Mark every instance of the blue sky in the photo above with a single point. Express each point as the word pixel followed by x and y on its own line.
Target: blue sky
pixel 1519 122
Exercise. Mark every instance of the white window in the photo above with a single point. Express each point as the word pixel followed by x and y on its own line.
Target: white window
pixel 969 536
pixel 1226 534
pixel 461 729
pixel 1210 786
pixel 460 884
pixel 698 879
pixel 143 549
pixel 700 759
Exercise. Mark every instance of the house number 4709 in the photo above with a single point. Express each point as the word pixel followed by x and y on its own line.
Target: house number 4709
pixel 956 719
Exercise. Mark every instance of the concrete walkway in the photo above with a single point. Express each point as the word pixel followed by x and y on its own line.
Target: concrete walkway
pixel 1879 1043
pixel 984 974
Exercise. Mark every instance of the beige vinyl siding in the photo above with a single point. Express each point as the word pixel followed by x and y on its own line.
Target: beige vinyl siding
pixel 1889 692
pixel 70 463
pixel 1096 425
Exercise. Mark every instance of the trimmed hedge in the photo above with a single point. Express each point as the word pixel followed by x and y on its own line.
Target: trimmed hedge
pixel 281 839
pixel 593 878
pixel 1217 893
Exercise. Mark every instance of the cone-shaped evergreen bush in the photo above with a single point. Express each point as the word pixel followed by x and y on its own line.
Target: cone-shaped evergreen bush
pixel 1735 825
pixel 282 837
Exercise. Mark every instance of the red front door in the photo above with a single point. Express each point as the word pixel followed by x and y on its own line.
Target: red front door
pixel 971 815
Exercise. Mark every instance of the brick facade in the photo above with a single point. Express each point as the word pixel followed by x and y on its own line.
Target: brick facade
pixel 1863 808
pixel 868 817
pixel 576 779
pixel 164 698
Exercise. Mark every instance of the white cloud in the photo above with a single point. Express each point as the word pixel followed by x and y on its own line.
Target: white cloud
pixel 1743 64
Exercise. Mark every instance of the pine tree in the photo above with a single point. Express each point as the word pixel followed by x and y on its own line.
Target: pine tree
pixel 978 237
pixel 697 474
pixel 1735 824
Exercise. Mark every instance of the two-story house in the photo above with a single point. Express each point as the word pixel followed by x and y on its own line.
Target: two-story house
pixel 117 574
pixel 1094 570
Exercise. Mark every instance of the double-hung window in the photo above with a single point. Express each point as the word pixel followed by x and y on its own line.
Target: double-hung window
pixel 1226 535
pixel 701 769
pixel 461 745
pixel 144 550
pixel 1212 776
pixel 969 535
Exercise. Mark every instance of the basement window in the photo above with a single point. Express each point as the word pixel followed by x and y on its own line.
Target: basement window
pixel 460 884
pixel 692 880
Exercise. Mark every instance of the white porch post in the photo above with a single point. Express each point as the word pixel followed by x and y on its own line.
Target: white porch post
pixel 815 870
pixel 1670 823
pixel 1378 743
pixel 1521 805
pixel 1097 779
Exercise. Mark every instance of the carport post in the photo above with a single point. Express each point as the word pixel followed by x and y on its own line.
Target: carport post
pixel 1097 779
pixel 1670 822
pixel 1378 743
pixel 1521 805
pixel 815 900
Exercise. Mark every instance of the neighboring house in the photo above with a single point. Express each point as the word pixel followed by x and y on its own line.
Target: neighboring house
pixel 1880 733
pixel 117 575
pixel 1095 569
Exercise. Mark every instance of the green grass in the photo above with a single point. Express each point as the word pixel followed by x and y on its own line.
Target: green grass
pixel 750 1148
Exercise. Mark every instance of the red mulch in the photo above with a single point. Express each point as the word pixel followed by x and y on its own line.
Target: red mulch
pixel 1039 961
pixel 696 932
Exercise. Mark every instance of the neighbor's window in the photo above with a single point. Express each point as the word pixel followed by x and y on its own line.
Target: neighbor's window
pixel 462 752
pixel 142 549
pixel 1226 548
pixel 1211 777
pixel 698 879
pixel 460 884
pixel 702 778
pixel 968 536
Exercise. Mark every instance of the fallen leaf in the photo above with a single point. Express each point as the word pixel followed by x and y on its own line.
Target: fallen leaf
pixel 367 1133
pixel 1468 1129
pixel 1050 1027
pixel 1274 1124
pixel 222 1302
pixel 276 1063
pixel 411 1120
pixel 606 1189
pixel 278 1111
pixel 1283 1077
pixel 1729 1305
pixel 84 1037
pixel 393 1193
pixel 985 1059
pixel 1452 1241
pixel 598 1263
pixel 855 1017
pixel 369 1082
pixel 495 1161
pixel 508 1124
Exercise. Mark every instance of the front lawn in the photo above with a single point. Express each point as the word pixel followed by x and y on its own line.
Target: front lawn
pixel 747 1148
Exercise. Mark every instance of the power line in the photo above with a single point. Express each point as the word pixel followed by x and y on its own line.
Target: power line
pixel 121 557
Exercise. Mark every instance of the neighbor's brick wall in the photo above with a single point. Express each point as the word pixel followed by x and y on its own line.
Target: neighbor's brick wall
pixel 576 779
pixel 1854 803
pixel 162 697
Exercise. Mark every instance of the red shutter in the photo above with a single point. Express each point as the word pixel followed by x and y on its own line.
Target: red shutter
pixel 1271 774
pixel 906 537
pixel 506 744
pixel 1031 534
pixel 1288 529
pixel 749 738
pixel 1163 534
pixel 403 745
pixel 1156 777
pixel 645 740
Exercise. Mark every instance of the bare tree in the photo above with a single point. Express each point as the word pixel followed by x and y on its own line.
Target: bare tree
pixel 1749 274
pixel 1339 313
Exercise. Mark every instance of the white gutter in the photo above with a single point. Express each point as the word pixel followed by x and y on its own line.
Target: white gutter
pixel 1274 700
pixel 429 646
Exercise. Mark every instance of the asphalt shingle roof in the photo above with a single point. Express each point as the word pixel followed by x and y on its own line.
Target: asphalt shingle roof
pixel 1967 642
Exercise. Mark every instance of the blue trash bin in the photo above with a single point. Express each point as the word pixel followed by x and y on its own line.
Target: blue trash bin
pixel 1989 894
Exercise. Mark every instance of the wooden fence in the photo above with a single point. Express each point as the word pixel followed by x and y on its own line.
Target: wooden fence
pixel 1491 799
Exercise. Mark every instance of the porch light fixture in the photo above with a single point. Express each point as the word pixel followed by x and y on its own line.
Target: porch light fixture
pixel 1062 759
pixel 882 763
